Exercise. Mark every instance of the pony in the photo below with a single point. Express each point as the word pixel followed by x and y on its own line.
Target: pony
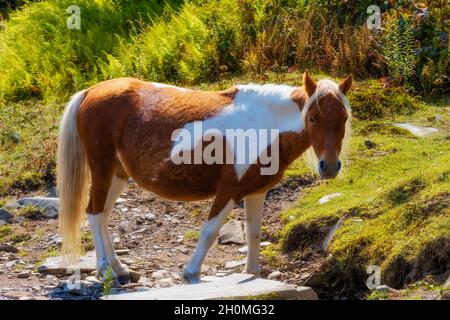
pixel 127 128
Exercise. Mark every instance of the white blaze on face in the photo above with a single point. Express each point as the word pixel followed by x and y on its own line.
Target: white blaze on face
pixel 250 122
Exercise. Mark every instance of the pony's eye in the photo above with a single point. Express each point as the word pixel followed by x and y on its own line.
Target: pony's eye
pixel 312 119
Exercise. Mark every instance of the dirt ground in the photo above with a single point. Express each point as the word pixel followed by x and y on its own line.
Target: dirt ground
pixel 160 236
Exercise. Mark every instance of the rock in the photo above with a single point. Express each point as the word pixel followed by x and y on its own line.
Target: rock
pixel 10 264
pixel 135 276
pixel 93 279
pixel 122 252
pixel 56 265
pixel 438 118
pixel 235 286
pixel 385 289
pixel 417 130
pixel 149 216
pixel 209 278
pixel 52 192
pixel 182 249
pixel 234 263
pixel 24 274
pixel 165 283
pixel 2 223
pixel 262 245
pixel 232 232
pixel 121 200
pixel 328 197
pixel 5 215
pixel 160 274
pixel 369 144
pixel 274 275
pixel 8 248
pixel 50 206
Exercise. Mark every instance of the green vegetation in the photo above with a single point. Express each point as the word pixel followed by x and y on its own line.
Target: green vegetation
pixel 395 197
pixel 108 281
pixel 191 235
pixel 395 188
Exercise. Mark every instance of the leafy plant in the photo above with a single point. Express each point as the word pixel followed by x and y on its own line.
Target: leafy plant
pixel 108 281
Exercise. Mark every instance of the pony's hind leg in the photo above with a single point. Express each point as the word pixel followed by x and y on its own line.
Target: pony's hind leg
pixel 117 187
pixel 104 191
pixel 219 211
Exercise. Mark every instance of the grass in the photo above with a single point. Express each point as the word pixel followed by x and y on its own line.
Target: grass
pixel 192 235
pixel 396 196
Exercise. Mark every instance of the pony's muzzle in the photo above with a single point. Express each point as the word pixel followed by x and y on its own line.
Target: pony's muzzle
pixel 329 170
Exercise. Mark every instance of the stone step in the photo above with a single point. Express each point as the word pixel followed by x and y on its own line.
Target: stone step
pixel 234 286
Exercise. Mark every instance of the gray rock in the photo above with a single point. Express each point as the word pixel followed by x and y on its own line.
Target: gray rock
pixel 56 265
pixel 232 232
pixel 262 245
pixel 384 289
pixel 149 216
pixel 5 215
pixel 50 206
pixel 24 274
pixel 2 223
pixel 417 130
pixel 328 197
pixel 235 286
pixel 234 264
pixel 8 248
pixel 274 275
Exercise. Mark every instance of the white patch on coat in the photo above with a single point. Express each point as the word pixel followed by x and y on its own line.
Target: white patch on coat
pixel 254 107
pixel 163 85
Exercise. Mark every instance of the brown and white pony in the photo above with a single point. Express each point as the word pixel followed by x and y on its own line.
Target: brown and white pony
pixel 125 128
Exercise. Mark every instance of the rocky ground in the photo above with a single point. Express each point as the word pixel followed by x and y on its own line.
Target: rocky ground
pixel 154 237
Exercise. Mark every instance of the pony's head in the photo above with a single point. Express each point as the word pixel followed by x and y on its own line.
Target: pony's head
pixel 326 115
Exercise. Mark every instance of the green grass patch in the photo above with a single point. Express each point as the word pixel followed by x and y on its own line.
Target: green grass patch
pixel 396 200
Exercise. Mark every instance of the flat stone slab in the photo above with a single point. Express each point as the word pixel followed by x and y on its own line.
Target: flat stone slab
pixel 50 206
pixel 56 265
pixel 235 286
pixel 417 130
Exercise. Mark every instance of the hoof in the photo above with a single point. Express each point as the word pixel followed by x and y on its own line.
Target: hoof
pixel 124 279
pixel 190 277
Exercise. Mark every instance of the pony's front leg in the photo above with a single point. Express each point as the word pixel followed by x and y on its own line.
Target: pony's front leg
pixel 253 214
pixel 219 211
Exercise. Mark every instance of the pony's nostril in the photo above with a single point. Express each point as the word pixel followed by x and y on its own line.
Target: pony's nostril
pixel 322 166
pixel 338 165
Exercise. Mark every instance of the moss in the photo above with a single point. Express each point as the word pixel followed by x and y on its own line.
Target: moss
pixel 192 235
pixel 396 198
pixel 31 212
pixel 371 102
pixel 4 231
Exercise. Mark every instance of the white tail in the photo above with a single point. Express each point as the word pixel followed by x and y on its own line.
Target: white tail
pixel 72 180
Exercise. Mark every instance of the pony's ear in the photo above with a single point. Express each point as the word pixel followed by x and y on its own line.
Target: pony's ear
pixel 346 84
pixel 309 83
